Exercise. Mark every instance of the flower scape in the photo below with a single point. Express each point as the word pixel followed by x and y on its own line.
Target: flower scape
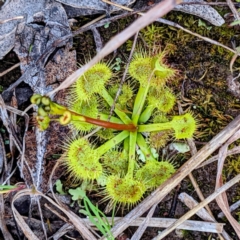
pixel 124 152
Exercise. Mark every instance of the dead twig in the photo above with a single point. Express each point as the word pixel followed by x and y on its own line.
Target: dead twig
pixel 140 231
pixel 233 151
pixel 233 9
pixel 6 234
pixel 12 19
pixel 9 69
pixel 222 200
pixel 193 151
pixel 199 206
pixel 231 208
pixel 124 76
pixel 166 222
pixel 202 213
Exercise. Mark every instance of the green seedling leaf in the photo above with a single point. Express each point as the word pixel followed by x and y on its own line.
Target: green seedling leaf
pixel 106 25
pixel 235 23
pixel 117 66
pixel 59 187
pixel 77 194
pixel 118 60
pixel 97 218
pixel 2 130
pixel 141 156
pixel 154 152
pixel 30 49
pixel 203 24
pixel 102 180
pixel 84 212
pixel 180 147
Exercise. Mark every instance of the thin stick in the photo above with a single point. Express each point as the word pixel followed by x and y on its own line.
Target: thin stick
pixel 9 69
pixel 11 19
pixel 233 151
pixel 138 234
pixel 124 76
pixel 190 225
pixel 233 9
pixel 199 206
pixel 193 150
pixel 56 212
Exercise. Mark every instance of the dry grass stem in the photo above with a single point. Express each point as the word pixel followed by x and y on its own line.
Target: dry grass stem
pixel 235 150
pixel 140 231
pixel 124 75
pixel 193 151
pixel 6 234
pixel 222 200
pixel 9 69
pixel 199 206
pixel 202 213
pixel 55 212
pixel 190 202
pixel 12 19
pixel 62 231
pixel 3 159
pixel 79 224
pixel 233 9
pixel 231 208
pixel 190 225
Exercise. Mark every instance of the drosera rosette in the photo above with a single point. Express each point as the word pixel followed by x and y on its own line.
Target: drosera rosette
pixel 136 121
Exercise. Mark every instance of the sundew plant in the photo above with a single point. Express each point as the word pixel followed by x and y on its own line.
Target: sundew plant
pixel 124 154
